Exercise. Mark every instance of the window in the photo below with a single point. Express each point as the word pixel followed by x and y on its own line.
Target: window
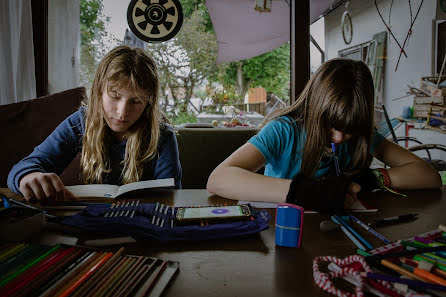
pixel 440 46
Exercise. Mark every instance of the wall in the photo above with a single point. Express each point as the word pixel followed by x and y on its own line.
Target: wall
pixel 63 45
pixel 366 22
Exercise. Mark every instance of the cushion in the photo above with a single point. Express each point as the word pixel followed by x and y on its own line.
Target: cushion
pixel 24 125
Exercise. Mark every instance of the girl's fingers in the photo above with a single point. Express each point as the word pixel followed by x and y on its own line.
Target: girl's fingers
pixel 39 193
pixel 58 187
pixel 28 193
pixel 70 196
pixel 43 187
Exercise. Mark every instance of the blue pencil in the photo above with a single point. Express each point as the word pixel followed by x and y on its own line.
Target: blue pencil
pixel 359 237
pixel 352 238
pixel 333 148
pixel 382 238
pixel 409 282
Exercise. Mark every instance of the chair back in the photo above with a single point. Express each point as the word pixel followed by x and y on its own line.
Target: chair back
pixel 24 125
pixel 203 149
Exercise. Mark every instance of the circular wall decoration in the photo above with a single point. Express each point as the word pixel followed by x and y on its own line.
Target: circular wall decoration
pixel 347 27
pixel 155 20
pixel 443 5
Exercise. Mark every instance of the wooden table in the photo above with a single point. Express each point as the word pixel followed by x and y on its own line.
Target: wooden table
pixel 254 266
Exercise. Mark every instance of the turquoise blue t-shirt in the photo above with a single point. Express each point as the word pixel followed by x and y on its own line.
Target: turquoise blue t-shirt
pixel 280 143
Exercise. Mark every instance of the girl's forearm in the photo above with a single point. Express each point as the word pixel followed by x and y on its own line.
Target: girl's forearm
pixel 241 184
pixel 414 175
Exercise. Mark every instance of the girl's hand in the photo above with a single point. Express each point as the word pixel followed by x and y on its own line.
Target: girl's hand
pixel 324 194
pixel 43 187
pixel 351 195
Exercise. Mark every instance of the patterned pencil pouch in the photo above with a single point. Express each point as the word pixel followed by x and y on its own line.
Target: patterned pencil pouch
pixel 157 222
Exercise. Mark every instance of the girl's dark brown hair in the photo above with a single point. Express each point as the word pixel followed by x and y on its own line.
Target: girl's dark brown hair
pixel 339 95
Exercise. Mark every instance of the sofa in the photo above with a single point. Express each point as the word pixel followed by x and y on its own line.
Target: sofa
pixel 26 124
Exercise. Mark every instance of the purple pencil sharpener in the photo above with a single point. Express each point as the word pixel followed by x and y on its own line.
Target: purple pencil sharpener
pixel 289 222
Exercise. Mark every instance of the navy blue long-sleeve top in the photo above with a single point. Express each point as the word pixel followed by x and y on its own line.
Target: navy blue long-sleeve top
pixel 62 146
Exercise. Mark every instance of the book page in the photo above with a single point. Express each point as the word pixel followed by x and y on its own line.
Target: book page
pixel 108 191
pixel 147 184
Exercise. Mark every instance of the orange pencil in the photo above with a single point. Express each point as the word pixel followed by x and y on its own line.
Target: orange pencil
pixel 415 263
pixel 429 276
pixel 401 270
pixel 85 276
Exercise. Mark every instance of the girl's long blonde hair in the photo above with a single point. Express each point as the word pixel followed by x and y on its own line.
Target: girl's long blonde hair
pixel 122 67
pixel 339 95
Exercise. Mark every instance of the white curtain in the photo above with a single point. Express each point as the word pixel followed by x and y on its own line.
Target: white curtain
pixel 242 32
pixel 17 76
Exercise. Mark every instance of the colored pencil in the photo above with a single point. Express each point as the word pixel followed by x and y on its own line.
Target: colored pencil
pixel 150 282
pixel 401 270
pixel 406 253
pixel 13 250
pixel 135 271
pixel 25 282
pixel 113 280
pixel 83 277
pixel 429 276
pixel 414 283
pixel 29 265
pixel 359 237
pixel 146 269
pixel 76 272
pixel 60 270
pixel 19 261
pixel 97 276
pixel 362 253
pixel 440 260
pixel 349 235
pixel 335 158
pixel 142 273
pixel 104 283
pixel 62 282
pixel 124 277
pixel 414 244
pixel 380 237
pixel 421 257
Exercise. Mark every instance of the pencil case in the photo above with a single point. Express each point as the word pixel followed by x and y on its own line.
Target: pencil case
pixel 145 224
pixel 289 222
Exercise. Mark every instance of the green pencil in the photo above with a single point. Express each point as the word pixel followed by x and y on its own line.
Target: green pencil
pixel 30 264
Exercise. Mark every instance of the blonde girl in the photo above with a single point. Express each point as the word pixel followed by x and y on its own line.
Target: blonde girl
pixel 120 131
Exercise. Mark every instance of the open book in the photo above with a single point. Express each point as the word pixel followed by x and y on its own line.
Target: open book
pixel 113 191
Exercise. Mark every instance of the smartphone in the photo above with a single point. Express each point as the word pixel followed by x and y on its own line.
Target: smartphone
pixel 213 213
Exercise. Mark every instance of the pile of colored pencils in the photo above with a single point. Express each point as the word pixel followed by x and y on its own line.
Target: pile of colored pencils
pixel 419 264
pixel 36 270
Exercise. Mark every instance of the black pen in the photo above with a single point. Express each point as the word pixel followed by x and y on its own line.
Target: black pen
pixel 394 220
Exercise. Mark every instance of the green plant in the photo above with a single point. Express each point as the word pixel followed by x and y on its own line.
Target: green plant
pixel 226 96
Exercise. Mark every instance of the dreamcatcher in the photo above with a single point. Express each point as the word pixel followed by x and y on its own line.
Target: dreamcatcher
pixel 409 32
